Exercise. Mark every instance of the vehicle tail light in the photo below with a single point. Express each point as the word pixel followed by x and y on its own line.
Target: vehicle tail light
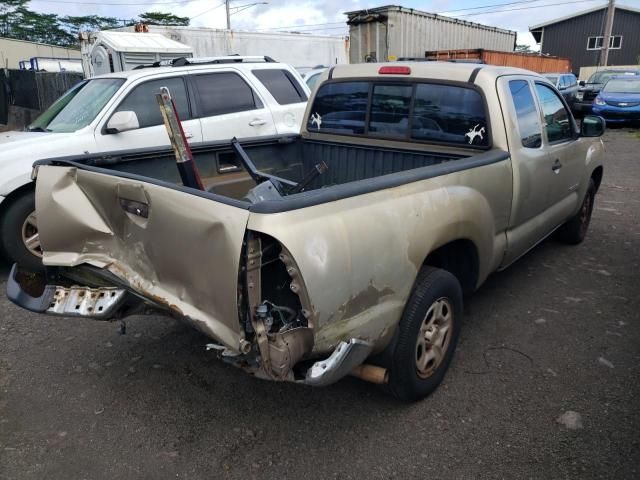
pixel 388 70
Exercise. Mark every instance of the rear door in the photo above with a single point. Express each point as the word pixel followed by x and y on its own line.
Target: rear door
pixel 229 107
pixel 288 96
pixel 178 247
pixel 152 132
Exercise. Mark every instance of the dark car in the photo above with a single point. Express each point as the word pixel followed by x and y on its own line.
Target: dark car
pixel 566 83
pixel 619 100
pixel 589 90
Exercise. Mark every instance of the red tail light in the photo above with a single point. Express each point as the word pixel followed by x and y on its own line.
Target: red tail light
pixel 394 71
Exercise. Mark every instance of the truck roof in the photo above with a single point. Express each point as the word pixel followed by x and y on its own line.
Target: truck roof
pixel 460 72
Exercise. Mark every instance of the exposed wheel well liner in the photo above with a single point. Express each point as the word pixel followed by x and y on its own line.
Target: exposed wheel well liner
pixel 459 257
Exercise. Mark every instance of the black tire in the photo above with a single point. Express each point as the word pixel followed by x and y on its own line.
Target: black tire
pixel 575 230
pixel 433 285
pixel 11 224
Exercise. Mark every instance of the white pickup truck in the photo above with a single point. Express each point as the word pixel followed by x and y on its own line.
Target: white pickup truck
pixel 217 98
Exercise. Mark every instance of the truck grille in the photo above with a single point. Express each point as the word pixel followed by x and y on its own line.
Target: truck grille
pixel 623 104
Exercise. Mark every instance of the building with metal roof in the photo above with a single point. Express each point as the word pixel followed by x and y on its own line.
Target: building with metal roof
pixel 580 36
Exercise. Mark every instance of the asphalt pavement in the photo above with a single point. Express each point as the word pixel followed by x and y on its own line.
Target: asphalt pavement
pixel 544 385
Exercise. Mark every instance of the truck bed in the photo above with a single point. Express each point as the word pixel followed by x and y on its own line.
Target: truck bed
pixel 286 156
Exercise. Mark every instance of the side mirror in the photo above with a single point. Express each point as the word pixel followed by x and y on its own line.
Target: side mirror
pixel 582 83
pixel 122 122
pixel 592 126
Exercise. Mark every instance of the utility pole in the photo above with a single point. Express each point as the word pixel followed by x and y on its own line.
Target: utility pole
pixel 226 6
pixel 604 55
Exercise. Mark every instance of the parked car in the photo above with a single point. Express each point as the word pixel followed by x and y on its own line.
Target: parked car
pixel 311 77
pixel 566 83
pixel 589 90
pixel 619 100
pixel 217 98
pixel 453 172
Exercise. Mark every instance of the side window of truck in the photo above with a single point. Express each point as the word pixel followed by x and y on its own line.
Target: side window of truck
pixel 557 118
pixel 526 113
pixel 282 85
pixel 142 101
pixel 224 92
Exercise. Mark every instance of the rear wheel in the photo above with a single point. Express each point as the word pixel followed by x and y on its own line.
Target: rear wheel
pixel 575 230
pixel 428 334
pixel 19 232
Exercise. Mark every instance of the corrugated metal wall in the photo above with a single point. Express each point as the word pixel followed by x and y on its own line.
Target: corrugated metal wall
pixel 411 33
pixel 298 50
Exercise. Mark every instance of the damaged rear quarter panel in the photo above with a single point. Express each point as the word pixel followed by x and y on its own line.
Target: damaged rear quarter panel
pixel 359 256
pixel 185 255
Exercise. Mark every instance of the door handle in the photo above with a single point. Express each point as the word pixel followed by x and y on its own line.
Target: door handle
pixel 556 166
pixel 256 122
pixel 188 135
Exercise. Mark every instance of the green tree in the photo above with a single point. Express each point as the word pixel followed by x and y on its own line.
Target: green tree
pixel 76 24
pixel 24 24
pixel 8 12
pixel 161 18
pixel 524 48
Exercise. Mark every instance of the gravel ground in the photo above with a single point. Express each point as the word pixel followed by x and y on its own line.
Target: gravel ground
pixel 558 332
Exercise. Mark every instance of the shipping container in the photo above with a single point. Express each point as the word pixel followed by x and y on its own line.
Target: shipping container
pixel 529 61
pixel 300 50
pixel 388 33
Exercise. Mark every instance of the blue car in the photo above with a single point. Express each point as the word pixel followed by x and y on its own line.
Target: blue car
pixel 619 100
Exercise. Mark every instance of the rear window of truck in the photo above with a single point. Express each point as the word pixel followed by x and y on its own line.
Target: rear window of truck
pixel 427 112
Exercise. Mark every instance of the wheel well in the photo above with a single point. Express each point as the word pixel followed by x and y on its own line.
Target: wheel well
pixel 460 258
pixel 597 177
pixel 15 194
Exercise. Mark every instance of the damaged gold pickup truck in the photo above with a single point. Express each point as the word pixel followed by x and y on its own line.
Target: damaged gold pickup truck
pixel 343 250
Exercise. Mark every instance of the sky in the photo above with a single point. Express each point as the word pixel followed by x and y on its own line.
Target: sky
pixel 326 16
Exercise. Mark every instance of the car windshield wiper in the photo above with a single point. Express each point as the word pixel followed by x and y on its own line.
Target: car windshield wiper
pixel 38 129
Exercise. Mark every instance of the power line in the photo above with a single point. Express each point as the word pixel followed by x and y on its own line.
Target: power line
pixel 526 8
pixel 127 4
pixel 300 26
pixel 207 11
pixel 497 10
pixel 487 6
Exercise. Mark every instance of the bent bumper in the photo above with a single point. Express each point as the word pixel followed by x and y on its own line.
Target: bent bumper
pixel 29 293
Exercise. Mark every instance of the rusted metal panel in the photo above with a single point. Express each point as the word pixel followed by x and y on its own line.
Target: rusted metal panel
pixel 533 62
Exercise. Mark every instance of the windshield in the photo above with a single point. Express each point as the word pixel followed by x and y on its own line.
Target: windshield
pixel 603 77
pixel 78 107
pixel 40 123
pixel 622 86
pixel 552 79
